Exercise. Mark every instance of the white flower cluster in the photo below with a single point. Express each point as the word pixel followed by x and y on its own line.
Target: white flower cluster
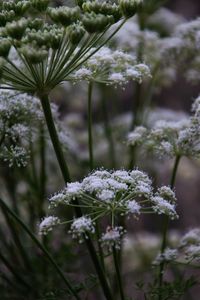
pixel 73 190
pixel 165 19
pixel 18 115
pixel 189 35
pixel 190 246
pixel 170 138
pixel 20 119
pixel 15 155
pixel 161 206
pixel 167 256
pixel 47 224
pixel 187 250
pixel 81 227
pixel 112 67
pixel 151 48
pixel 113 193
pixel 112 237
pixel 118 191
pixel 179 48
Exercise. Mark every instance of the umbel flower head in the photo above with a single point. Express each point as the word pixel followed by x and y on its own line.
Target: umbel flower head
pixel 171 138
pixel 112 194
pixel 187 251
pixel 112 67
pixel 18 116
pixel 50 48
pixel 21 120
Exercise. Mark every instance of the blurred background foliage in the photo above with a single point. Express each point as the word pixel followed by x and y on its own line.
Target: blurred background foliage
pixel 111 111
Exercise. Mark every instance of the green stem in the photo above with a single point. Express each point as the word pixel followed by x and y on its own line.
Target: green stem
pixel 44 250
pixel 15 235
pixel 90 137
pixel 108 134
pixel 173 178
pixel 119 279
pixel 54 137
pixel 101 255
pixel 135 122
pixel 66 176
pixel 166 225
pixel 91 160
pixel 42 172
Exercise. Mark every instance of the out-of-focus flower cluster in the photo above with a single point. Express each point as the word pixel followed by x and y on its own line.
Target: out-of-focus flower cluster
pixel 187 250
pixel 170 138
pixel 18 114
pixel 21 121
pixel 112 67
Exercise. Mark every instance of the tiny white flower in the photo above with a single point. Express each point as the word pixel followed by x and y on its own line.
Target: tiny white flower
pixel 167 256
pixel 81 226
pixel 112 237
pixel 106 195
pixel 161 206
pixel 133 207
pixel 47 224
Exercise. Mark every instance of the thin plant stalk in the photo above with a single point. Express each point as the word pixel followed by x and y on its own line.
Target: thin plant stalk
pixel 15 234
pixel 135 122
pixel 138 94
pixel 91 161
pixel 42 171
pixel 90 135
pixel 118 273
pixel 13 271
pixel 166 226
pixel 66 176
pixel 108 133
pixel 39 244
pixel 54 138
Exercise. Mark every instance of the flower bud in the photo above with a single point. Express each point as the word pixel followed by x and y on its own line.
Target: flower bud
pixel 35 24
pixel 19 8
pixel 8 5
pixel 76 33
pixel 64 15
pixel 96 22
pixel 16 29
pixel 111 10
pixel 3 32
pixel 130 7
pixel 4 47
pixel 40 5
pixel 6 16
pixel 80 2
pixel 102 8
pixel 94 6
pixel 33 54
